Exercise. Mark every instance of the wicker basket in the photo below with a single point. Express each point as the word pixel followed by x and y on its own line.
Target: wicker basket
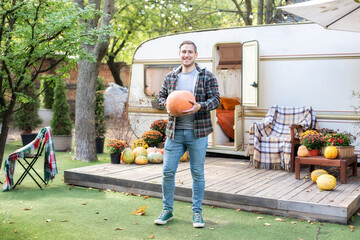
pixel 343 152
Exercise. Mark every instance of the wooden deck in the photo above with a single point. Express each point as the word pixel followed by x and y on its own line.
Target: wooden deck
pixel 232 183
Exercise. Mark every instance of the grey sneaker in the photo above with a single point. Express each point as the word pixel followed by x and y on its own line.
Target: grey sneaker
pixel 165 216
pixel 198 221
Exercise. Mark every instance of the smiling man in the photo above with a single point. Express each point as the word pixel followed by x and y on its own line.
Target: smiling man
pixel 189 131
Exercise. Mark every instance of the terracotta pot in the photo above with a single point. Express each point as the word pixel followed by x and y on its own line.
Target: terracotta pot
pixel 314 152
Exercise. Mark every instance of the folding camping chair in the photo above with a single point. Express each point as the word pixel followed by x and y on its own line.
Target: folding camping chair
pixel 27 160
pixel 30 166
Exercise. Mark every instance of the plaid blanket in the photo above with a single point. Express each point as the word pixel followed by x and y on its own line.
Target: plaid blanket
pixel 50 169
pixel 270 140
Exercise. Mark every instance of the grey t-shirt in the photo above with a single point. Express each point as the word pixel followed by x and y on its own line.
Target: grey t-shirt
pixel 186 81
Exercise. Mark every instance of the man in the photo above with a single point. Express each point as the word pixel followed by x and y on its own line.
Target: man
pixel 189 131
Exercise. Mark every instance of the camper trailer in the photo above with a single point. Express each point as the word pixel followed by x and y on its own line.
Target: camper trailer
pixel 256 67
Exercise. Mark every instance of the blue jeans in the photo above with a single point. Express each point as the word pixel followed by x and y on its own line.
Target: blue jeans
pixel 184 140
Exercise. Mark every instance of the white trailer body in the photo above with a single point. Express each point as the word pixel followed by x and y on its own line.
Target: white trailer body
pixel 286 65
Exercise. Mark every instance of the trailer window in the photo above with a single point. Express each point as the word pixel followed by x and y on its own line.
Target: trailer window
pixel 154 77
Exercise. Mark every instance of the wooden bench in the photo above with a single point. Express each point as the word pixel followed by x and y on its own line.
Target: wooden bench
pixel 322 161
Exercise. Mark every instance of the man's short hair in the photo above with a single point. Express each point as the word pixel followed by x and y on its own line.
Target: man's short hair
pixel 188 42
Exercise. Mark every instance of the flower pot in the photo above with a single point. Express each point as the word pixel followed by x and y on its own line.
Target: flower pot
pixel 27 138
pixel 115 158
pixel 314 152
pixel 100 145
pixel 343 151
pixel 62 143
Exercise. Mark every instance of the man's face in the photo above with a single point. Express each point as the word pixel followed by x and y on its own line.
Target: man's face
pixel 187 55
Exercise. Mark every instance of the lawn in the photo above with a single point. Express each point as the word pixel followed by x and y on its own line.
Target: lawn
pixel 62 211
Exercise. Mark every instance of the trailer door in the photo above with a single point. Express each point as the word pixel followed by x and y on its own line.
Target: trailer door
pixel 250 74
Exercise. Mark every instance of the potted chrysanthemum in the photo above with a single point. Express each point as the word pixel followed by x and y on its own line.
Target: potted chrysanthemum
pixel 116 147
pixel 313 141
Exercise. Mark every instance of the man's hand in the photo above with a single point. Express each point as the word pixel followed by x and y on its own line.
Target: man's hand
pixel 196 107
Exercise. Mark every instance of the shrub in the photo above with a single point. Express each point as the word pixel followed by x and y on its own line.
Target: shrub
pixel 100 117
pixel 48 94
pixel 27 118
pixel 61 123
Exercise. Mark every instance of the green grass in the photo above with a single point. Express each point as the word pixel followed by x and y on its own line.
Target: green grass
pixel 61 211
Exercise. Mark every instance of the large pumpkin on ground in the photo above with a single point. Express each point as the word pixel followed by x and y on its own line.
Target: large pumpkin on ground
pixel 155 157
pixel 139 151
pixel 127 156
pixel 317 173
pixel 326 182
pixel 331 152
pixel 178 101
pixel 141 160
pixel 303 151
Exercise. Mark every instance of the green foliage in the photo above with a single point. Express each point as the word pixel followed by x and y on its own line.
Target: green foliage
pixel 47 85
pixel 100 117
pixel 27 118
pixel 61 123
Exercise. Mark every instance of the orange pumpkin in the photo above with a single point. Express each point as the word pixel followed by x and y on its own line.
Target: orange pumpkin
pixel 178 101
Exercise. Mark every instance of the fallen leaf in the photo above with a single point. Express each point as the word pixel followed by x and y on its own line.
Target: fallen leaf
pixel 309 221
pixel 119 229
pixel 294 223
pixel 140 211
pixel 136 223
pixel 267 224
pixel 145 197
pixel 26 209
pixel 352 230
pixel 84 203
pixel 11 222
pixel 48 220
pixel 238 210
pixel 181 182
pixel 211 228
pixel 352 227
pixel 97 213
pixel 151 237
pixel 64 220
pixel 15 231
pixel 259 218
pixel 105 219
pixel 280 220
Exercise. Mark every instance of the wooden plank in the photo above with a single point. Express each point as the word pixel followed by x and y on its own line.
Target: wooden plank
pixel 231 183
pixel 281 188
pixel 254 180
pixel 263 184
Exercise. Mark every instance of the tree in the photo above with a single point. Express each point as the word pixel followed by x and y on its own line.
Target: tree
pixel 136 21
pixel 60 123
pixel 30 33
pixel 97 27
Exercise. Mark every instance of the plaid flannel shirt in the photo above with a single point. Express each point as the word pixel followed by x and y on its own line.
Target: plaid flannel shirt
pixel 206 94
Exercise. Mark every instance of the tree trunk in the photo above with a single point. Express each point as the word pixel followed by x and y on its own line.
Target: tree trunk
pixel 85 143
pixel 115 70
pixel 269 9
pixel 260 12
pixel 5 128
pixel 85 146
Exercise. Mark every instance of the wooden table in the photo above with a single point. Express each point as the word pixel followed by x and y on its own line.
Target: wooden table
pixel 322 161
